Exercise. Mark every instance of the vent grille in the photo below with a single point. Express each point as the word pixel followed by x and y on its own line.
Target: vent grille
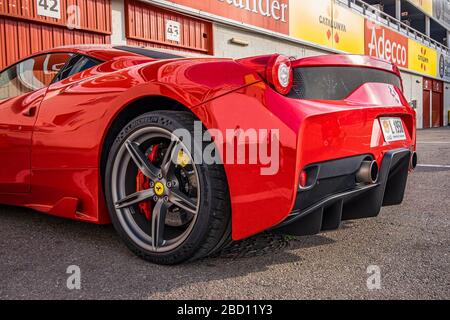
pixel 336 83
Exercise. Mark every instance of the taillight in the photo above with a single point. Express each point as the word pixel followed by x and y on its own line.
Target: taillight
pixel 279 74
pixel 303 181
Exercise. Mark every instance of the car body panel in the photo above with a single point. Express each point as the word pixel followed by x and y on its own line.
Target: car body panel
pixel 310 132
pixel 16 129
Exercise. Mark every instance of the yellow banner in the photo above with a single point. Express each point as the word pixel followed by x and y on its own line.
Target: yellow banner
pixel 422 59
pixel 348 30
pixel 424 5
pixel 325 23
pixel 311 21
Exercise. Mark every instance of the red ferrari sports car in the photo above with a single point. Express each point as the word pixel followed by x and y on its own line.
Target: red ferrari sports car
pixel 90 133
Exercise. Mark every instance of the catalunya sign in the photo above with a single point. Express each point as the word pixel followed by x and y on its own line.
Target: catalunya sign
pixel 327 24
pixel 268 14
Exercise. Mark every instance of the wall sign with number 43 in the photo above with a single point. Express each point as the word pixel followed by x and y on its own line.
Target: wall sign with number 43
pixel 173 31
pixel 49 8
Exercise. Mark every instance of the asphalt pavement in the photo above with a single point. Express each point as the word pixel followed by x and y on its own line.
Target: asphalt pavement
pixel 408 244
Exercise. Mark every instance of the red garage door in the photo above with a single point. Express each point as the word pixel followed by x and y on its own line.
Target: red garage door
pixel 23 31
pixel 437 105
pixel 433 103
pixel 427 86
pixel 151 26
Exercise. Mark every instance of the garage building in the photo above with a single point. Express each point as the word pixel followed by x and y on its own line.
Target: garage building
pixel 413 34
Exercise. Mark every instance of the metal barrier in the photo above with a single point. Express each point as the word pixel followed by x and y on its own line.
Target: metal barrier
pixel 382 17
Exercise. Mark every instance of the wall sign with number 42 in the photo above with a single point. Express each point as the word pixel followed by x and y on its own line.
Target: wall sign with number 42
pixel 49 8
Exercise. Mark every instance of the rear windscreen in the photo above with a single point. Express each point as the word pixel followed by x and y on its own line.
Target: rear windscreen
pixel 154 54
pixel 336 83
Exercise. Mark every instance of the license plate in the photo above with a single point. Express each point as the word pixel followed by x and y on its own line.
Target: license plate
pixel 393 129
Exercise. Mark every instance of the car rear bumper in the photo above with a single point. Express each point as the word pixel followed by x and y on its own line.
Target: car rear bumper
pixel 309 132
pixel 336 196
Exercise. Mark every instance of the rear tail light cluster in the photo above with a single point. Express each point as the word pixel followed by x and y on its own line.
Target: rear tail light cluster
pixel 308 178
pixel 275 69
pixel 303 181
pixel 279 74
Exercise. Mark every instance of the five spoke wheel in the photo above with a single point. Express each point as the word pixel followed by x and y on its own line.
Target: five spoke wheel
pixel 166 208
pixel 172 187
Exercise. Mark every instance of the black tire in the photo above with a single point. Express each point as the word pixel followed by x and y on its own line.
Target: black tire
pixel 212 225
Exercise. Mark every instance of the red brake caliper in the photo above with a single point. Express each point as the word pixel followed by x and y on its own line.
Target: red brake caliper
pixel 143 183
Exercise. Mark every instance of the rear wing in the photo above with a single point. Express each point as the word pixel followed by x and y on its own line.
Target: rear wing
pixel 347 60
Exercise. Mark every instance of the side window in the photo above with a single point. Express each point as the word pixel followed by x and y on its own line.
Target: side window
pixel 77 64
pixel 31 74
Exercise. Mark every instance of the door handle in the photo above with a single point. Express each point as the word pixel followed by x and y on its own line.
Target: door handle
pixel 30 112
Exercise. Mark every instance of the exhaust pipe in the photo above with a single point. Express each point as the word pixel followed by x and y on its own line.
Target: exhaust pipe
pixel 368 172
pixel 414 160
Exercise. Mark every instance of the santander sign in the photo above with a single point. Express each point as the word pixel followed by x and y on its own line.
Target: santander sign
pixel 268 14
pixel 383 43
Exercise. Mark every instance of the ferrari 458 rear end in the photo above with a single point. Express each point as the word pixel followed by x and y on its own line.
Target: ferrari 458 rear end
pixel 355 137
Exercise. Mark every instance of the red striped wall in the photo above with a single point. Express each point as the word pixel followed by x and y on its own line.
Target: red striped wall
pixel 23 32
pixel 95 14
pixel 145 26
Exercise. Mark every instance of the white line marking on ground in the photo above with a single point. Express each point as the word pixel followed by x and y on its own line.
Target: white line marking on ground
pixel 433 142
pixel 433 166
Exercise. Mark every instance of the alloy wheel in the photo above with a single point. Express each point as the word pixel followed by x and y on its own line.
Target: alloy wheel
pixel 155 189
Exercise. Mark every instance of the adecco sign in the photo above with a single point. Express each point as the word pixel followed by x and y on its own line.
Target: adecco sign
pixel 268 14
pixel 383 43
